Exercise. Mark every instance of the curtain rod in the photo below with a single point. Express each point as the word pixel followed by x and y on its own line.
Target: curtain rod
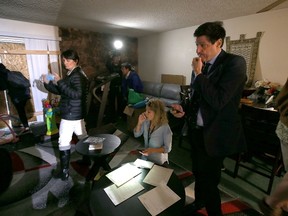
pixel 29 52
pixel 28 36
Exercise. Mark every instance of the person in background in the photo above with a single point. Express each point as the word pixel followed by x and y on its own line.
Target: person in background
pixel 130 80
pixel 3 77
pixel 73 89
pixel 113 65
pixel 153 125
pixel 215 129
pixel 19 93
pixel 277 202
pixel 6 170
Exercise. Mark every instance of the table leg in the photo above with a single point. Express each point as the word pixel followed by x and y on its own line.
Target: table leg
pixel 93 171
pixel 98 162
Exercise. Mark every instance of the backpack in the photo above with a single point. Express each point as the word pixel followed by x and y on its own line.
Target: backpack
pixel 17 80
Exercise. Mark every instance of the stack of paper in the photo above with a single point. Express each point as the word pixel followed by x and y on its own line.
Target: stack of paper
pixel 143 163
pixel 158 199
pixel 120 194
pixel 158 175
pixel 126 186
pixel 123 174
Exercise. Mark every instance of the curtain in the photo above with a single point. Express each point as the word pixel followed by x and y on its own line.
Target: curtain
pixel 38 65
pixel 54 59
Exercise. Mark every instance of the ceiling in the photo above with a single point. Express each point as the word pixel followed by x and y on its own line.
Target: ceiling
pixel 134 18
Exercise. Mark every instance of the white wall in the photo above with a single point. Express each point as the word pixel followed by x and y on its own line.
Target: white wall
pixel 171 52
pixel 28 30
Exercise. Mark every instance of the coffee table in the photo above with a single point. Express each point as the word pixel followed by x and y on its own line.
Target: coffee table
pixel 110 143
pixel 100 203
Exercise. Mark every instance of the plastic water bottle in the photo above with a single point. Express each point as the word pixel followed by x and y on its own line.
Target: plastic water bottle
pixel 50 77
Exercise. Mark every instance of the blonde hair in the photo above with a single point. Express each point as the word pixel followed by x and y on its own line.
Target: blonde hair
pixel 158 107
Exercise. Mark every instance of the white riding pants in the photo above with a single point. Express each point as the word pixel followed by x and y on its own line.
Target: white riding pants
pixel 67 128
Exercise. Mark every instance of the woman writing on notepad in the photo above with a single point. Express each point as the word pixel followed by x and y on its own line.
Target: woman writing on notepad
pixel 153 125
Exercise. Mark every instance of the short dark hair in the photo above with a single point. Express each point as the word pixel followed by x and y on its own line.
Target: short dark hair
pixel 126 65
pixel 212 30
pixel 70 54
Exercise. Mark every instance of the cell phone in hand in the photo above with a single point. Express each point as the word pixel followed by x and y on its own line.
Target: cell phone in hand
pixel 174 110
pixel 140 150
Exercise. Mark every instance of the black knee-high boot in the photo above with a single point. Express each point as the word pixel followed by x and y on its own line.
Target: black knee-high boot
pixel 64 164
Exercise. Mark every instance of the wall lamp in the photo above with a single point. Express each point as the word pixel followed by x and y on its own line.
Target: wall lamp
pixel 118 44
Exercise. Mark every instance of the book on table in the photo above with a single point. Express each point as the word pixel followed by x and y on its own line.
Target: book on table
pixel 95 146
pixel 95 143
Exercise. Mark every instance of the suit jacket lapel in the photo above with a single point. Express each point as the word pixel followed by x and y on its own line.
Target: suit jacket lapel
pixel 219 60
pixel 216 69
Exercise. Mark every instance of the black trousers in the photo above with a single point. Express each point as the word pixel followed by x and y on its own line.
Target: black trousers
pixel 114 98
pixel 207 172
pixel 20 107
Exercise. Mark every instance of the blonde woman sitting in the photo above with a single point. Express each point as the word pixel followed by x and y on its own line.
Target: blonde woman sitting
pixel 153 125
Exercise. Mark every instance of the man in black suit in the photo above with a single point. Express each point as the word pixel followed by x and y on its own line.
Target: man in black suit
pixel 214 123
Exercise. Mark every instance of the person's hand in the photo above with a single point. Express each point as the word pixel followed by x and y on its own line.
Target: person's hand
pixel 56 76
pixel 197 65
pixel 177 110
pixel 44 78
pixel 142 117
pixel 146 152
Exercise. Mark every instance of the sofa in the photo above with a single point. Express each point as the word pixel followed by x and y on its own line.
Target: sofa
pixel 168 93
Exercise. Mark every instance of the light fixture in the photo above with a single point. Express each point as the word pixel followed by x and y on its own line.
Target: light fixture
pixel 118 44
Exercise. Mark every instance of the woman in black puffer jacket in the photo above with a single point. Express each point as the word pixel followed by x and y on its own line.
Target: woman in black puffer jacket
pixel 73 89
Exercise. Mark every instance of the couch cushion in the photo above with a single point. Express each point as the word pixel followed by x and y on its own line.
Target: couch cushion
pixel 169 102
pixel 152 88
pixel 171 91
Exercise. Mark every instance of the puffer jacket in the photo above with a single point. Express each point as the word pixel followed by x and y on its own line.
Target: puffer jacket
pixel 73 90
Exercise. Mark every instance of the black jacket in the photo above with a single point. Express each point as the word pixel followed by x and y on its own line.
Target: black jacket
pixel 73 90
pixel 221 93
pixel 18 94
pixel 16 84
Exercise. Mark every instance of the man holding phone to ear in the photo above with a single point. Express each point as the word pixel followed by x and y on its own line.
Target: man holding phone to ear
pixel 215 130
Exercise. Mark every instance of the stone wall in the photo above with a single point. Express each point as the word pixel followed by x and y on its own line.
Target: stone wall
pixel 94 49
